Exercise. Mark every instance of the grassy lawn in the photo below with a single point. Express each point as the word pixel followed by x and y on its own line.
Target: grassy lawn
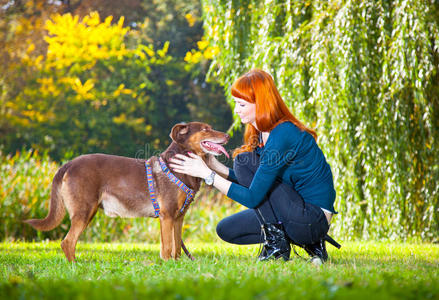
pixel 134 271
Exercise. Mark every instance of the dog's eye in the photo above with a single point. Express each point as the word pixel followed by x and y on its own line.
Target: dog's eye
pixel 204 129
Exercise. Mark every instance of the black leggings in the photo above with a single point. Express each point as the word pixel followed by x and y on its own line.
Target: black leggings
pixel 305 223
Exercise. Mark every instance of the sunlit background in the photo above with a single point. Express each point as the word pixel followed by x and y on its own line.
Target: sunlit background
pixel 112 76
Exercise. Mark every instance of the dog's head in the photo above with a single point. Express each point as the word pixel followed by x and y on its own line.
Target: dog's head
pixel 199 138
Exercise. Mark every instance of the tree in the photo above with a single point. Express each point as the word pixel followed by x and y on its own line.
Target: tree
pixel 83 84
pixel 21 25
pixel 365 75
pixel 77 102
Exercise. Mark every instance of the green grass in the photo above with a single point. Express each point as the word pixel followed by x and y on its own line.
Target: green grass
pixel 221 271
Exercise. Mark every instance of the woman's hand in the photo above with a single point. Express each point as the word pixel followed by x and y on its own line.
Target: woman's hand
pixel 192 165
pixel 211 162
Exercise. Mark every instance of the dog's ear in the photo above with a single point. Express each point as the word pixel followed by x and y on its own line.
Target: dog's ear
pixel 179 132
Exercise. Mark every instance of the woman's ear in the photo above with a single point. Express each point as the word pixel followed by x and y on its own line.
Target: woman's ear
pixel 179 132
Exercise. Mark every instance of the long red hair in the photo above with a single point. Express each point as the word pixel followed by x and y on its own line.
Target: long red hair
pixel 257 86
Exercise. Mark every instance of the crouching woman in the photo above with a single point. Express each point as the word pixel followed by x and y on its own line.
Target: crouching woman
pixel 280 174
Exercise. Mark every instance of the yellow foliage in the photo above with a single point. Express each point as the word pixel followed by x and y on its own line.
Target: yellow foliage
pixel 190 19
pixel 194 56
pixel 83 90
pixel 122 90
pixel 162 53
pixel 210 52
pixel 78 45
pixel 202 44
pixel 122 119
pixel 149 50
pixel 38 60
pixel 30 48
pixel 48 87
pixel 188 57
pixel 35 116
pixel 71 40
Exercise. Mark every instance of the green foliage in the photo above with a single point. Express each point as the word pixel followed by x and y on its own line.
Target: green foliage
pixel 220 271
pixel 75 83
pixel 21 24
pixel 25 193
pixel 97 83
pixel 365 75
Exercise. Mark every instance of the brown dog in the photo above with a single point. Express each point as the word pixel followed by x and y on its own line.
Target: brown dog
pixel 118 185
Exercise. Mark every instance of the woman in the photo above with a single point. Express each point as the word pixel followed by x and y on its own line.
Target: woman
pixel 279 173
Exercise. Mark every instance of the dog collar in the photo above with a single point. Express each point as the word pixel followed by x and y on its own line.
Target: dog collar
pixel 150 181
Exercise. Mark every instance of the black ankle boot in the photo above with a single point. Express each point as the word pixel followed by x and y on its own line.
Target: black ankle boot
pixel 276 244
pixel 317 250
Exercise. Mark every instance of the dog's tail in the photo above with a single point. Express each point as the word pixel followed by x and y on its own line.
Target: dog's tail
pixel 57 209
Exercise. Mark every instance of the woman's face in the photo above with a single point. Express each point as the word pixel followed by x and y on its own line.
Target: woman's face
pixel 245 110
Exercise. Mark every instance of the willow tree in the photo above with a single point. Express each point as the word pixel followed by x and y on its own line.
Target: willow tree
pixel 364 74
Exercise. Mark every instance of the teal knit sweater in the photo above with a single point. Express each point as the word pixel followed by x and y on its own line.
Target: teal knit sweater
pixel 292 156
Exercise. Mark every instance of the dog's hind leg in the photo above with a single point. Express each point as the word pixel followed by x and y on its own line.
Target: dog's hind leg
pixel 79 221
pixel 81 201
pixel 68 245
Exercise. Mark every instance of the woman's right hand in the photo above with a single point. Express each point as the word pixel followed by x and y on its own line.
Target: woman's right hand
pixel 211 161
pixel 216 166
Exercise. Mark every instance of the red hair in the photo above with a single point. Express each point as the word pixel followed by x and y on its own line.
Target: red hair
pixel 257 86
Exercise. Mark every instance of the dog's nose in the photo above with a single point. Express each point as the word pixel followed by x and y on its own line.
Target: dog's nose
pixel 227 136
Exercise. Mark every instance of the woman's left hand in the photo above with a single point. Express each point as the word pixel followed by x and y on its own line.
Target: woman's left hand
pixel 192 165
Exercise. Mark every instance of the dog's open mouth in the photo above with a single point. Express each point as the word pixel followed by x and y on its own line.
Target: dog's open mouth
pixel 214 148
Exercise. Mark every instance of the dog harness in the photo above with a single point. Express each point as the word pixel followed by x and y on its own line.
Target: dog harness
pixel 150 181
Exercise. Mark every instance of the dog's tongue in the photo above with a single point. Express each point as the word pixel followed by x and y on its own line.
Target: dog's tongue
pixel 218 148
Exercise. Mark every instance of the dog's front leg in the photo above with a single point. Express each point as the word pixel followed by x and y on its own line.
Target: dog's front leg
pixel 176 249
pixel 166 234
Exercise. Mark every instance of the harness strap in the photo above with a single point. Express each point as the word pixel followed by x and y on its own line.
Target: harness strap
pixel 150 182
pixel 189 192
